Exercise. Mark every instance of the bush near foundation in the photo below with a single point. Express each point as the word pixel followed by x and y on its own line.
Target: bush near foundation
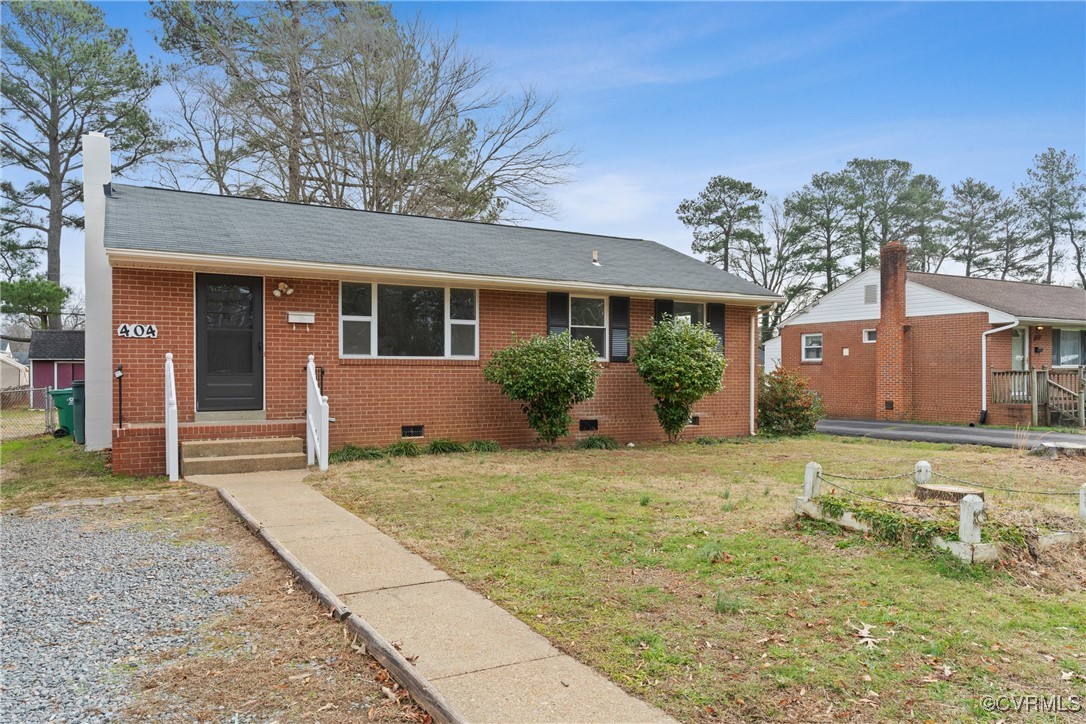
pixel 680 364
pixel 548 376
pixel 786 404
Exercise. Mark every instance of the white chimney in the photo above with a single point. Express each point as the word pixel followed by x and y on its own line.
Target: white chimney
pixel 98 282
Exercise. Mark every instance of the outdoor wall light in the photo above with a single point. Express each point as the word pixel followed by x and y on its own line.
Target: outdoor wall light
pixel 283 290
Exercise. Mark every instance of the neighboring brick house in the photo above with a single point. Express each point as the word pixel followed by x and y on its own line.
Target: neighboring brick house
pixel 55 357
pixel 895 345
pixel 400 312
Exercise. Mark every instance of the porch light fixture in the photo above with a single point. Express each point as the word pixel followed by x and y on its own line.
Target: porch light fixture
pixel 283 290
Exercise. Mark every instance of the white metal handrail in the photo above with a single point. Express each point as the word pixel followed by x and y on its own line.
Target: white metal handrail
pixel 171 420
pixel 316 419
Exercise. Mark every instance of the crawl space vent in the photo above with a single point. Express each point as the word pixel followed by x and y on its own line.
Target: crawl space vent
pixel 411 430
pixel 589 425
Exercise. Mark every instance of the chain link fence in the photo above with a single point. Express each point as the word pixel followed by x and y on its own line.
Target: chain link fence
pixel 25 412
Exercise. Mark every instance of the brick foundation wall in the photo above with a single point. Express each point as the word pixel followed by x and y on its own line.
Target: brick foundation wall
pixel 371 398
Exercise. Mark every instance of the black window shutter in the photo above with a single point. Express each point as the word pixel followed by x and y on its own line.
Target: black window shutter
pixel 663 306
pixel 620 329
pixel 714 319
pixel 1055 348
pixel 557 312
pixel 1082 348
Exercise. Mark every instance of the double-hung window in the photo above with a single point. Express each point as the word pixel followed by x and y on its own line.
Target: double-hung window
pixel 692 312
pixel 588 320
pixel 812 348
pixel 395 320
pixel 1068 348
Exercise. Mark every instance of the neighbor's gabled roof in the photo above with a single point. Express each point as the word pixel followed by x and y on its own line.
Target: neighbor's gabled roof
pixel 1025 300
pixel 56 344
pixel 167 223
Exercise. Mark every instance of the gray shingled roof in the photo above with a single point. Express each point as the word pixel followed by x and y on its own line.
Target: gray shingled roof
pixel 56 344
pixel 1020 299
pixel 149 219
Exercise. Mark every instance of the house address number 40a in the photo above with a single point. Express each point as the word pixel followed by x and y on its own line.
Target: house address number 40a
pixel 138 331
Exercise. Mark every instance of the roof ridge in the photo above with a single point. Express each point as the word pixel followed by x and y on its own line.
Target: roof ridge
pixel 390 213
pixel 987 279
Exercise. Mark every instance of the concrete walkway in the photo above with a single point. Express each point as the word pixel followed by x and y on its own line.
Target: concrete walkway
pixel 963 435
pixel 484 662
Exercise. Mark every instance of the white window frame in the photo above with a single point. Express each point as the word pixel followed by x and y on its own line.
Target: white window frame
pixel 375 311
pixel 1081 352
pixel 606 352
pixel 704 311
pixel 871 339
pixel 804 346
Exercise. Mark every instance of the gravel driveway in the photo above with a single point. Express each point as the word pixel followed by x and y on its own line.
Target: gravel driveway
pixel 84 607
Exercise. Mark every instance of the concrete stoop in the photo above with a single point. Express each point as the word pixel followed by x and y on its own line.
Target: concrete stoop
pixel 249 455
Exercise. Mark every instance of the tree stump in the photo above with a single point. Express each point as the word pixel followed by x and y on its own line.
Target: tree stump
pixel 951 493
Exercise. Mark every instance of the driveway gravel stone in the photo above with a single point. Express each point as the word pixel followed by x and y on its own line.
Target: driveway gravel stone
pixel 84 607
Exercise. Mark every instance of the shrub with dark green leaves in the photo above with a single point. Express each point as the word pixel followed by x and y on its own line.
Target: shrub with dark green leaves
pixel 786 404
pixel 404 449
pixel 597 442
pixel 548 376
pixel 441 446
pixel 680 363
pixel 484 446
pixel 349 452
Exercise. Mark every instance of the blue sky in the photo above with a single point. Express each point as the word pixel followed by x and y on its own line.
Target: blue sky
pixel 659 97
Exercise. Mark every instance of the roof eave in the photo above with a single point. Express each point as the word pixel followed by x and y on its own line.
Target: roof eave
pixel 348 272
pixel 1051 320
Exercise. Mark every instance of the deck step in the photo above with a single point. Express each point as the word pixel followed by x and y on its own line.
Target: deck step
pixel 225 464
pixel 193 449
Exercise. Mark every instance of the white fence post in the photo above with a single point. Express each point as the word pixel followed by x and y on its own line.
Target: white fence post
pixel 171 421
pixel 1082 505
pixel 968 525
pixel 922 473
pixel 812 481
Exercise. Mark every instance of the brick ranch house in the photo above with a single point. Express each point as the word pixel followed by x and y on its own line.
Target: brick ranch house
pixel 895 345
pixel 401 314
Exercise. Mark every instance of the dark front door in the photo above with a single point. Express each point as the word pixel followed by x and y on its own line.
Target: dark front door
pixel 229 343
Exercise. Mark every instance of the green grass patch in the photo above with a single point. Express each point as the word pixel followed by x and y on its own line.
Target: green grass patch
pixel 44 468
pixel 442 446
pixel 715 594
pixel 404 449
pixel 349 453
pixel 597 442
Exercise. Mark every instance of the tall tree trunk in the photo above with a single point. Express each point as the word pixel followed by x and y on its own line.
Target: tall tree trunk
pixel 56 210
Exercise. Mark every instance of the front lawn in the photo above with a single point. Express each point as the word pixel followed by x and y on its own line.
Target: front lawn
pixel 681 573
pixel 42 468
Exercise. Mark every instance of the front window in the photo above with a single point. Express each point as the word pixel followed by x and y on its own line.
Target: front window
pixel 588 320
pixel 812 348
pixel 390 320
pixel 1070 352
pixel 692 312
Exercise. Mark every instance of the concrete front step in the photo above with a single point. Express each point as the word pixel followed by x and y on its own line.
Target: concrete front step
pixel 226 464
pixel 191 449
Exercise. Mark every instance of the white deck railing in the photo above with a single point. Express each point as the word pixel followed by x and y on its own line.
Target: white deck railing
pixel 171 420
pixel 316 419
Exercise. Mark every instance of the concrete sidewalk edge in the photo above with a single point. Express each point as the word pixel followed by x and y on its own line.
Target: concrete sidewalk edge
pixel 422 691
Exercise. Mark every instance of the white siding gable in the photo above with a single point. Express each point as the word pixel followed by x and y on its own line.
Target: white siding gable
pixel 843 304
pixel 849 302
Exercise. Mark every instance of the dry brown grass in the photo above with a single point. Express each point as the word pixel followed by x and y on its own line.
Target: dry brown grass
pixel 279 656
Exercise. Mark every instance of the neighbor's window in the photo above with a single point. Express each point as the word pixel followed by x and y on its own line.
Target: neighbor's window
pixel 870 335
pixel 812 348
pixel 390 320
pixel 1070 351
pixel 692 312
pixel 588 320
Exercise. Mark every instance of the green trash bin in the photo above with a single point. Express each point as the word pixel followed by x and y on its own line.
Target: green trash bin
pixel 79 411
pixel 62 400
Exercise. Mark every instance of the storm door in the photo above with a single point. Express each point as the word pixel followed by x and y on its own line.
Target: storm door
pixel 229 343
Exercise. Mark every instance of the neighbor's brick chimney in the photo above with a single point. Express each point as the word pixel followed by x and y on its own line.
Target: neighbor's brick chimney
pixel 891 391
